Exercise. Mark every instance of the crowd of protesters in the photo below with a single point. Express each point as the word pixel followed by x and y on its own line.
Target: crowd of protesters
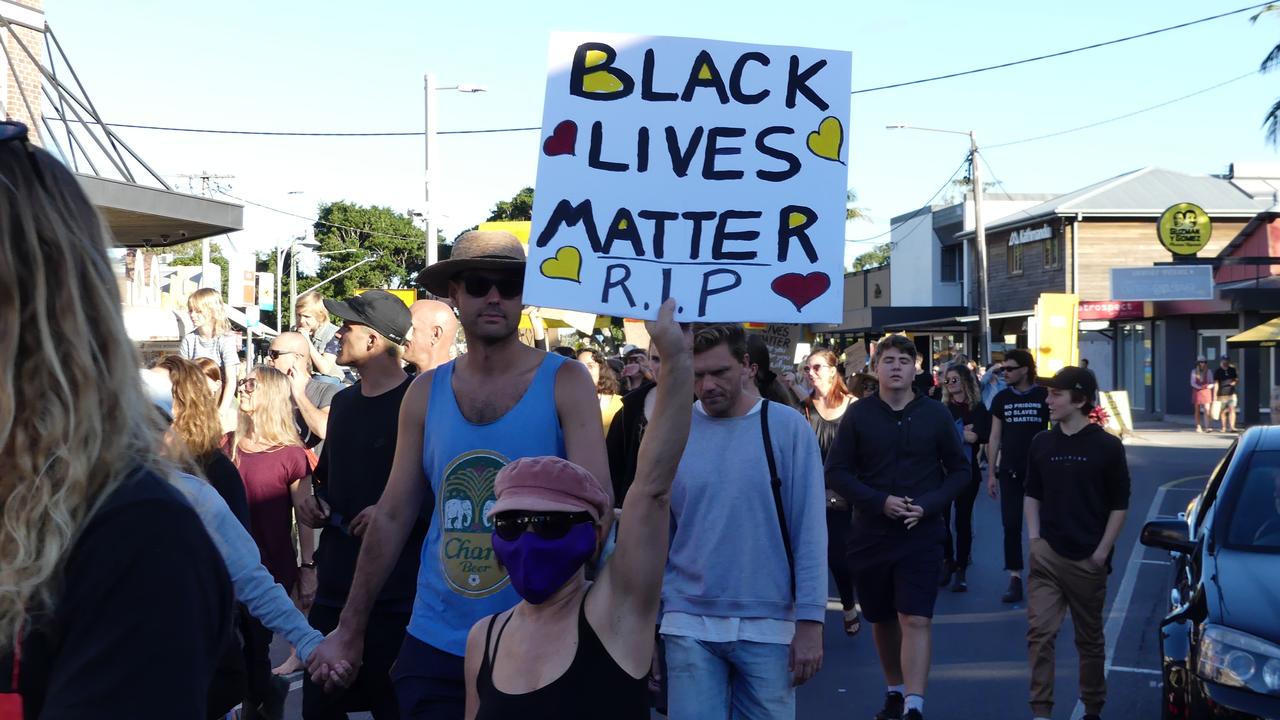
pixel 504 532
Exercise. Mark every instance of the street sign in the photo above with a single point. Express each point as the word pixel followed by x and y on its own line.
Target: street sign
pixel 1166 282
pixel 1184 229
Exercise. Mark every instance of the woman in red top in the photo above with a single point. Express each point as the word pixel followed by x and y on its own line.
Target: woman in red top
pixel 273 464
pixel 1202 392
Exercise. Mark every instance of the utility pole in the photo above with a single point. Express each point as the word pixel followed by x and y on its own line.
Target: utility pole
pixel 980 237
pixel 429 132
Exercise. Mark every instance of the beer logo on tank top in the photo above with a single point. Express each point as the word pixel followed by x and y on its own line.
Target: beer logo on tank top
pixel 466 540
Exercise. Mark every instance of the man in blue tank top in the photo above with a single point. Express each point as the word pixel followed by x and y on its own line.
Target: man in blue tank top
pixel 459 425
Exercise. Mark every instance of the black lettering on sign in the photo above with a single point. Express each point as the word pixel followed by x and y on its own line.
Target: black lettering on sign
pixel 695 239
pixel 708 290
pixel 709 170
pixel 659 218
pixel 642 149
pixel 610 282
pixel 682 157
pixel 798 82
pixel 646 82
pixel 593 157
pixel 793 162
pixel 735 79
pixel 623 228
pixel 723 235
pixel 704 74
pixel 598 75
pixel 804 218
pixel 569 215
pixel 666 284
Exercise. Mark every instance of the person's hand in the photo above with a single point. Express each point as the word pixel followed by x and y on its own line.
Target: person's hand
pixel 835 502
pixel 913 515
pixel 970 436
pixel 340 649
pixel 806 652
pixel 895 506
pixel 303 331
pixel 993 487
pixel 297 382
pixel 360 523
pixel 310 510
pixel 306 588
pixel 668 336
pixel 1099 558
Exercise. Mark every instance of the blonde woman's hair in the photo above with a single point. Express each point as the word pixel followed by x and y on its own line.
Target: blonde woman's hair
pixel 312 301
pixel 271 422
pixel 209 302
pixel 74 420
pixel 968 383
pixel 195 412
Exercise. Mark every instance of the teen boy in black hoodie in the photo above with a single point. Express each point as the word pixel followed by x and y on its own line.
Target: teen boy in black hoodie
pixel 1077 494
pixel 899 461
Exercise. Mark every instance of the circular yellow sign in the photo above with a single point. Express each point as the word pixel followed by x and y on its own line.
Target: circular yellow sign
pixel 1184 229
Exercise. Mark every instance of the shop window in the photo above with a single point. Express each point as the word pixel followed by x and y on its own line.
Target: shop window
pixel 951 264
pixel 1014 256
pixel 1052 253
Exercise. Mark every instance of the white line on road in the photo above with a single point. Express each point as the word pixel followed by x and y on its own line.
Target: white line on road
pixel 1155 562
pixel 1142 671
pixel 1115 621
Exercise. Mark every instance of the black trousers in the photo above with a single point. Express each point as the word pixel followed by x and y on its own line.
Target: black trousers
pixel 372 690
pixel 960 541
pixel 263 690
pixel 838 523
pixel 1011 494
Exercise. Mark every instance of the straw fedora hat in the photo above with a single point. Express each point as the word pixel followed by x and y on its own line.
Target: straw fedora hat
pixel 475 250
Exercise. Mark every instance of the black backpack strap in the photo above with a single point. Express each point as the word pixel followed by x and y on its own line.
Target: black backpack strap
pixel 776 482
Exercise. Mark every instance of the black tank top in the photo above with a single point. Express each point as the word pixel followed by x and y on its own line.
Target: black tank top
pixel 824 428
pixel 593 687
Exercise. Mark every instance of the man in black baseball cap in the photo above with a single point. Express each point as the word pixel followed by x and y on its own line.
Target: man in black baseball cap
pixel 1077 495
pixel 378 310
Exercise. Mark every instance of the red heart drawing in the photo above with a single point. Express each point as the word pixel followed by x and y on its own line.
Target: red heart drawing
pixel 562 139
pixel 801 289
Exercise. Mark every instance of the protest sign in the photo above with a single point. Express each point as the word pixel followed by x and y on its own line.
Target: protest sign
pixel 781 340
pixel 708 171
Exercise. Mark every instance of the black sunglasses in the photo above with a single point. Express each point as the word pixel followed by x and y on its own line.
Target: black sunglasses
pixel 546 525
pixel 247 385
pixel 275 354
pixel 478 286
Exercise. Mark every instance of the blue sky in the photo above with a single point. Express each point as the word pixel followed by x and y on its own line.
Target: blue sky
pixel 344 66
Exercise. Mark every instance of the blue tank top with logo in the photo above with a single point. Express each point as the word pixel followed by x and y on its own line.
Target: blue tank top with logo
pixel 459 580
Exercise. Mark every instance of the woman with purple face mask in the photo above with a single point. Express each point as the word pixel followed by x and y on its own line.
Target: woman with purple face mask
pixel 573 649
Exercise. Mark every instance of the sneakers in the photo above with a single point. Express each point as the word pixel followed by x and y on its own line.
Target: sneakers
pixel 1014 593
pixel 959 585
pixel 893 702
pixel 913 714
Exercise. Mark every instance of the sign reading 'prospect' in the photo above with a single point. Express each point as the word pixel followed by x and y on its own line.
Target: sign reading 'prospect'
pixel 1184 229
pixel 1193 282
pixel 712 172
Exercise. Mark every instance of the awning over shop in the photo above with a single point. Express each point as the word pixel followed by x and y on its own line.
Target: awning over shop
pixel 1265 335
pixel 141 216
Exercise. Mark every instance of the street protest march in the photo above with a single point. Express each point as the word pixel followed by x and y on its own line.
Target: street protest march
pixel 714 172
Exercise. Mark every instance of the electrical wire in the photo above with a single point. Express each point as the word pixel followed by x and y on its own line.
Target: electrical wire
pixel 1060 53
pixel 312 220
pixel 1157 106
pixel 922 205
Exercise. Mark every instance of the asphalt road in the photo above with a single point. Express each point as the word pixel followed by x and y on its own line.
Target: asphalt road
pixel 980 667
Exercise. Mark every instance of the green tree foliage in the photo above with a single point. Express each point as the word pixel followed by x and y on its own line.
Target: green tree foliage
pixel 873 258
pixel 349 233
pixel 1269 63
pixel 188 255
pixel 519 207
pixel 851 209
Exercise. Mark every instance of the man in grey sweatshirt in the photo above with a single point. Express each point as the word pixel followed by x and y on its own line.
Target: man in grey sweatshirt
pixel 744 593
pixel 898 459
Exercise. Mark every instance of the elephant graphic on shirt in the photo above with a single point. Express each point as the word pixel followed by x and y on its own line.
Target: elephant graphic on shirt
pixel 457 513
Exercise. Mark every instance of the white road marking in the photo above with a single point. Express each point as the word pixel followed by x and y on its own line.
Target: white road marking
pixel 1155 562
pixel 1142 671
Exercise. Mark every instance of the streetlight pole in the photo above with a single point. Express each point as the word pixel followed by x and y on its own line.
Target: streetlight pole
pixel 979 235
pixel 429 157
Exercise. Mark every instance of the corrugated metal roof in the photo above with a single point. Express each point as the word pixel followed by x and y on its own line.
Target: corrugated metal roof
pixel 1147 191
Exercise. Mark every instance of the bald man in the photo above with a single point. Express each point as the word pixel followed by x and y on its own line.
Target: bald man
pixel 434 327
pixel 290 353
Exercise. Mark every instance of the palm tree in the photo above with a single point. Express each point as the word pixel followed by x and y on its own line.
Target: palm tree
pixel 1270 62
pixel 851 211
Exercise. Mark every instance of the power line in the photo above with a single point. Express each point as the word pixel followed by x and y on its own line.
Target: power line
pixel 312 220
pixel 1157 106
pixel 271 133
pixel 1061 53
pixel 922 205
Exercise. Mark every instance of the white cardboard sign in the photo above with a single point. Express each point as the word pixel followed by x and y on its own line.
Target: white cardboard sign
pixel 714 172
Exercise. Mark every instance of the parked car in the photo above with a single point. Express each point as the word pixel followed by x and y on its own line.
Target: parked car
pixel 1221 639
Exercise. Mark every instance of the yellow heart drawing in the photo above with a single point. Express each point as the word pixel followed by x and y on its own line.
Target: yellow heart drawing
pixel 796 219
pixel 566 265
pixel 827 140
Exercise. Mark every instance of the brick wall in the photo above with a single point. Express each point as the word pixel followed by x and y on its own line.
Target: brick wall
pixel 24 75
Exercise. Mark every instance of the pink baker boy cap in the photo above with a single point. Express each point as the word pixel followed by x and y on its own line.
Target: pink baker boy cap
pixel 548 484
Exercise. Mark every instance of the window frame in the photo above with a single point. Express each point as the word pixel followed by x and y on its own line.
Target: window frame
pixel 1014 253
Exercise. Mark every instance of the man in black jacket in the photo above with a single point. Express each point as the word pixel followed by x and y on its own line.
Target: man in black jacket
pixel 898 459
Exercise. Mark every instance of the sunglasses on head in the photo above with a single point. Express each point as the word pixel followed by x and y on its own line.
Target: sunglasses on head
pixel 546 525
pixel 247 385
pixel 478 286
